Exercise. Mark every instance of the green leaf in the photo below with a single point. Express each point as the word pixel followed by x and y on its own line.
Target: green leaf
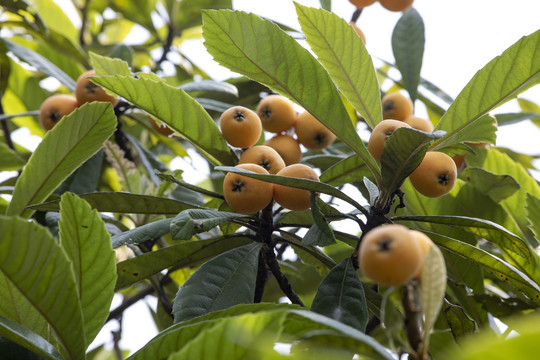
pixel 247 336
pixel 87 244
pixel 108 66
pixel 341 297
pixel 32 260
pixel 176 336
pixel 372 189
pixel 189 253
pixel 504 77
pixel 502 270
pixel 210 86
pixel 142 233
pixel 345 171
pixel 511 245
pixel 320 233
pixel 125 203
pixel 402 153
pixel 139 13
pixel 10 160
pixel 533 214
pixel 497 187
pixel 86 178
pixel 68 145
pixel 30 340
pixel 311 185
pixel 166 103
pixel 222 282
pixel 23 9
pixel 189 186
pixel 344 56
pixel 245 44
pixel 432 289
pixel 194 221
pixel 408 46
pixel 41 63
pixel 460 324
pixel 56 19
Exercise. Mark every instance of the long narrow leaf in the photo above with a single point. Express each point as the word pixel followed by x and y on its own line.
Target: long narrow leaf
pixel 32 260
pixel 343 54
pixel 68 145
pixel 88 245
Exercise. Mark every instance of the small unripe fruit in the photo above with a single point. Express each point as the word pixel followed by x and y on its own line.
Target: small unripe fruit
pixel 312 133
pixel 87 91
pixel 54 108
pixel 390 255
pixel 162 129
pixel 293 198
pixel 435 176
pixel 240 126
pixel 264 156
pixel 247 195
pixel 396 106
pixel 420 123
pixel 277 113
pixel 396 5
pixel 381 132
pixel 287 147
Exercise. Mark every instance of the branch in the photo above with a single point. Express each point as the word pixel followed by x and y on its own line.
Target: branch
pixel 282 280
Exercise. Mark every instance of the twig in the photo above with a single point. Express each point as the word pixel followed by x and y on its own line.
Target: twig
pixel 413 319
pixel 84 20
pixel 168 43
pixel 356 14
pixel 282 280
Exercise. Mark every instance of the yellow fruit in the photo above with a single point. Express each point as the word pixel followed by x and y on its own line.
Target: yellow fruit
pixel 381 132
pixel 390 255
pixel 87 91
pixel 240 126
pixel 362 3
pixel 312 133
pixel 264 156
pixel 287 147
pixel 435 176
pixel 396 106
pixel 54 108
pixel 396 5
pixel 293 198
pixel 247 195
pixel 425 244
pixel 277 113
pixel 419 123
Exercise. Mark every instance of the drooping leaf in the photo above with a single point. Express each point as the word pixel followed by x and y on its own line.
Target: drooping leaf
pixel 188 12
pixel 247 336
pixel 108 66
pixel 125 203
pixel 71 142
pixel 140 14
pixel 504 77
pixel 460 324
pixel 513 118
pixel 497 187
pixel 341 297
pixel 185 254
pixel 86 178
pixel 408 47
pixel 36 265
pixel 193 221
pixel 432 290
pixel 25 337
pixel 87 244
pixel 502 270
pixel 40 63
pixel 210 86
pixel 174 107
pixel 10 160
pixel 182 183
pixel 320 233
pixel 510 244
pixel 142 233
pixel 372 189
pixel 244 43
pixel 344 56
pixel 56 19
pixel 222 282
pixel 23 9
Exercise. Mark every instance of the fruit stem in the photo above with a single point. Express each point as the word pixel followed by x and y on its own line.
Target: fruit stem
pixel 356 14
pixel 119 135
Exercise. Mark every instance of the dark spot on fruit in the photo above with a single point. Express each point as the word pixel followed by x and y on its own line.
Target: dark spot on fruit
pixel 443 179
pixel 388 105
pixel 319 138
pixel 265 164
pixel 237 185
pixel 385 244
pixel 266 112
pixel 91 87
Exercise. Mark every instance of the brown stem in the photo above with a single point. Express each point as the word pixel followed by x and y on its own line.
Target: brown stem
pixel 282 280
pixel 356 14
pixel 168 43
pixel 413 319
pixel 84 20
pixel 262 277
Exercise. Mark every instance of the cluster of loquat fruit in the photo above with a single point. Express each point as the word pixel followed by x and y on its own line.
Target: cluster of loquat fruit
pixel 55 107
pixel 280 155
pixel 437 173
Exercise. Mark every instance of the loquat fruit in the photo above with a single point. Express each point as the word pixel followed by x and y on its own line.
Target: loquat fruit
pixel 264 156
pixel 293 198
pixel 240 126
pixel 312 133
pixel 54 108
pixel 435 176
pixel 381 132
pixel 287 147
pixel 396 5
pixel 87 91
pixel 420 123
pixel 396 106
pixel 277 113
pixel 246 195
